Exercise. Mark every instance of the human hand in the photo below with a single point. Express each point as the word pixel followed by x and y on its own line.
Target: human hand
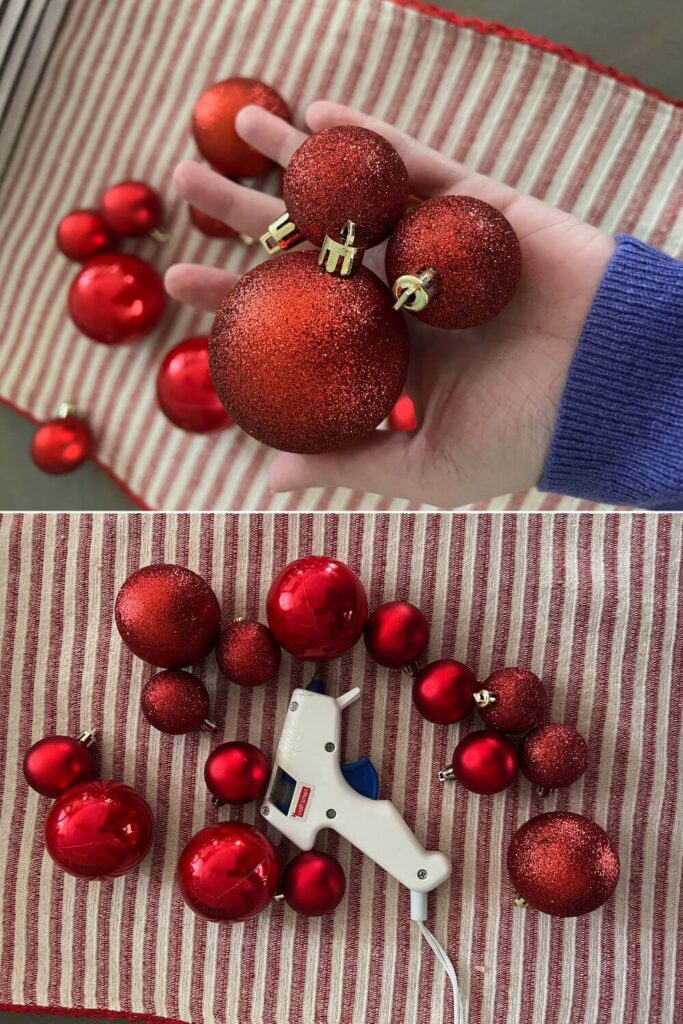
pixel 487 398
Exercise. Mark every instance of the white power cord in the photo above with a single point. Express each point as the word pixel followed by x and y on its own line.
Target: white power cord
pixel 418 912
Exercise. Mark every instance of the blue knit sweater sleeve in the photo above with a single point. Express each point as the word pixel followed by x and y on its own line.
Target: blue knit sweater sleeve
pixel 619 433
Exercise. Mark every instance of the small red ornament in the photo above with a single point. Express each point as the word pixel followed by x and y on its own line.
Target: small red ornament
pixel 563 864
pixel 83 234
pixel 55 763
pixel 228 872
pixel 99 830
pixel 396 634
pixel 402 416
pixel 62 444
pixel 512 700
pixel 484 762
pixel 236 773
pixel 443 692
pixel 176 702
pixel 184 389
pixel 116 299
pixel 553 756
pixel 248 653
pixel 213 124
pixel 133 208
pixel 473 255
pixel 313 883
pixel 167 615
pixel 210 226
pixel 317 608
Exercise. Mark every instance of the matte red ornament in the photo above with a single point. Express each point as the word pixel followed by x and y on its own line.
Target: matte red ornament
pixel 402 416
pixel 132 208
pixel 62 444
pixel 236 773
pixel 211 226
pixel 512 700
pixel 313 883
pixel 228 872
pixel 99 830
pixel 184 389
pixel 484 762
pixel 443 692
pixel 213 125
pixel 554 755
pixel 563 864
pixel 116 299
pixel 306 361
pixel 83 234
pixel 396 634
pixel 55 763
pixel 176 702
pixel 167 615
pixel 317 608
pixel 248 653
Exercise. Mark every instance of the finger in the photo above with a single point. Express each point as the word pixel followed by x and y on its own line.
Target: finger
pixel 203 287
pixel 377 464
pixel 245 209
pixel 269 134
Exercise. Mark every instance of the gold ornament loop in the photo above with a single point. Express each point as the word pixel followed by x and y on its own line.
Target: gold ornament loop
pixel 446 774
pixel 88 737
pixel 483 698
pixel 519 901
pixel 414 291
pixel 342 258
pixel 281 234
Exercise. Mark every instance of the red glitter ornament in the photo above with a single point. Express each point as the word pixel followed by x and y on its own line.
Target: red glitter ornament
pixel 99 830
pixel 396 634
pixel 484 762
pixel 213 124
pixel 132 208
pixel 116 299
pixel 55 763
pixel 83 234
pixel 443 692
pixel 306 361
pixel 248 653
pixel 317 608
pixel 176 702
pixel 210 226
pixel 473 250
pixel 313 883
pixel 553 756
pixel 512 700
pixel 563 864
pixel 62 444
pixel 184 389
pixel 228 872
pixel 236 773
pixel 167 615
pixel 402 416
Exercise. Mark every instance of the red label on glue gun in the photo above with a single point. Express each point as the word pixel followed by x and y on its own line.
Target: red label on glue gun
pixel 302 802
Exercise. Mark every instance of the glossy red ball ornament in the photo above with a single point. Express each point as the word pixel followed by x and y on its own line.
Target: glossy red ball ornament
pixel 402 416
pixel 176 702
pixel 236 773
pixel 306 361
pixel 99 830
pixel 512 700
pixel 55 763
pixel 443 692
pixel 132 208
pixel 213 125
pixel 167 615
pixel 83 234
pixel 228 872
pixel 472 248
pixel 554 755
pixel 396 634
pixel 62 444
pixel 484 762
pixel 116 299
pixel 185 391
pixel 563 864
pixel 313 883
pixel 248 653
pixel 210 226
pixel 317 608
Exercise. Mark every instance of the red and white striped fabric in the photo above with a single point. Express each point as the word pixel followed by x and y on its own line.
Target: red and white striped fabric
pixel 115 101
pixel 593 604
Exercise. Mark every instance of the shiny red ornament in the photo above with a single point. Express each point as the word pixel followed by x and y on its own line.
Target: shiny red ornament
pixel 184 389
pixel 484 762
pixel 116 299
pixel 563 864
pixel 132 208
pixel 317 608
pixel 211 226
pixel 167 615
pixel 236 773
pixel 55 763
pixel 62 444
pixel 228 872
pixel 402 416
pixel 474 251
pixel 213 125
pixel 512 700
pixel 396 634
pixel 83 234
pixel 99 830
pixel 554 755
pixel 306 361
pixel 443 692
pixel 313 883
pixel 248 653
pixel 176 702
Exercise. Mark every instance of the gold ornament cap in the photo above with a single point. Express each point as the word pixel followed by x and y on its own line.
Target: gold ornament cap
pixel 281 234
pixel 483 698
pixel 414 291
pixel 341 258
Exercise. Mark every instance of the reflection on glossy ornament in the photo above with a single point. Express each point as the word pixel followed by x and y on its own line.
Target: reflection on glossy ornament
pixel 116 299
pixel 62 444
pixel 55 763
pixel 83 234
pixel 185 391
pixel 133 208
pixel 236 773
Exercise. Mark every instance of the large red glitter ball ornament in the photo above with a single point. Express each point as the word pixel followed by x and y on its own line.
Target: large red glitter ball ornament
pixel 62 444
pixel 176 702
pixel 55 763
pixel 185 391
pixel 83 234
pixel 306 361
pixel 248 653
pixel 396 634
pixel 317 608
pixel 167 615
pixel 132 208
pixel 213 124
pixel 209 225
pixel 443 692
pixel 473 250
pixel 116 299
pixel 313 883
pixel 236 773
pixel 485 762
pixel 228 872
pixel 99 830
pixel 554 755
pixel 512 700
pixel 563 864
